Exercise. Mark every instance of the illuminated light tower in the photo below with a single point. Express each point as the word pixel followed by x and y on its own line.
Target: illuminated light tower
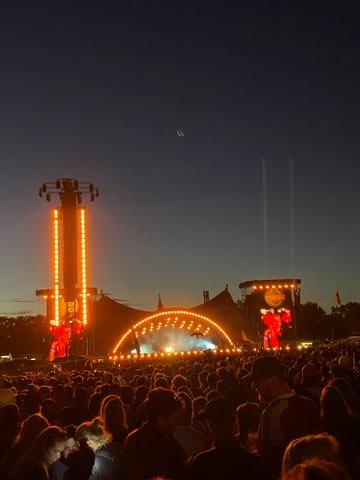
pixel 69 298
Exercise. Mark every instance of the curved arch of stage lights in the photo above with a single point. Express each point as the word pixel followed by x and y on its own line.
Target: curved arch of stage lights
pixel 173 312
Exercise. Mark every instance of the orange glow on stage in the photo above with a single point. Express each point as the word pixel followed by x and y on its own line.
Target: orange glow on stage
pixel 167 314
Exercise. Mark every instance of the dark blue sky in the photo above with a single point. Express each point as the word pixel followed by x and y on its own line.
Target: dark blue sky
pixel 97 90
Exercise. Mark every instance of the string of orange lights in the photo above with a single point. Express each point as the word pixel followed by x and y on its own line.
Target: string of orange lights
pixel 194 353
pixel 143 356
pixel 56 320
pixel 83 266
pixel 262 287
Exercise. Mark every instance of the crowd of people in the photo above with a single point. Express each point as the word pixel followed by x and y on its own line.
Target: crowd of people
pixel 256 416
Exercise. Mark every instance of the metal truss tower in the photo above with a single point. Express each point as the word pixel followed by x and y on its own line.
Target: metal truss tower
pixel 69 299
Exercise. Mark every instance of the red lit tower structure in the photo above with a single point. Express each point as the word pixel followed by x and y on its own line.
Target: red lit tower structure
pixel 270 308
pixel 68 301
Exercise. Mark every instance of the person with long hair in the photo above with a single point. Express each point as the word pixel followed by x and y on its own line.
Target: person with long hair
pixel 341 421
pixel 317 470
pixel 94 434
pixel 98 439
pixel 113 418
pixel 310 447
pixel 103 403
pixel 46 450
pixel 30 428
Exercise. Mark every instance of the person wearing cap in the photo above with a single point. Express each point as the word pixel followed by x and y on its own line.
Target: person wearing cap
pixel 227 459
pixel 287 415
pixel 152 450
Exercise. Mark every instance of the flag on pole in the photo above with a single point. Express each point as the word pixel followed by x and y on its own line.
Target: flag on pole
pixel 337 298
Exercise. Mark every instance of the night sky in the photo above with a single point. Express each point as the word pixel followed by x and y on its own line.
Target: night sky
pixel 98 90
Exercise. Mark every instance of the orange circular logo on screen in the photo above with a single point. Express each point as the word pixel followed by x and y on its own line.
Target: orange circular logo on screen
pixel 274 297
pixel 68 308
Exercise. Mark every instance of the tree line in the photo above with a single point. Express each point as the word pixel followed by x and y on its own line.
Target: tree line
pixel 315 324
pixel 30 334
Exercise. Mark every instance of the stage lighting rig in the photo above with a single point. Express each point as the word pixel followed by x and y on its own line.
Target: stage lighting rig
pixel 66 187
pixel 68 300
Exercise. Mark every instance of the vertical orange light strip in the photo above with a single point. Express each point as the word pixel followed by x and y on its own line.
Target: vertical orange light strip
pixel 83 266
pixel 56 268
